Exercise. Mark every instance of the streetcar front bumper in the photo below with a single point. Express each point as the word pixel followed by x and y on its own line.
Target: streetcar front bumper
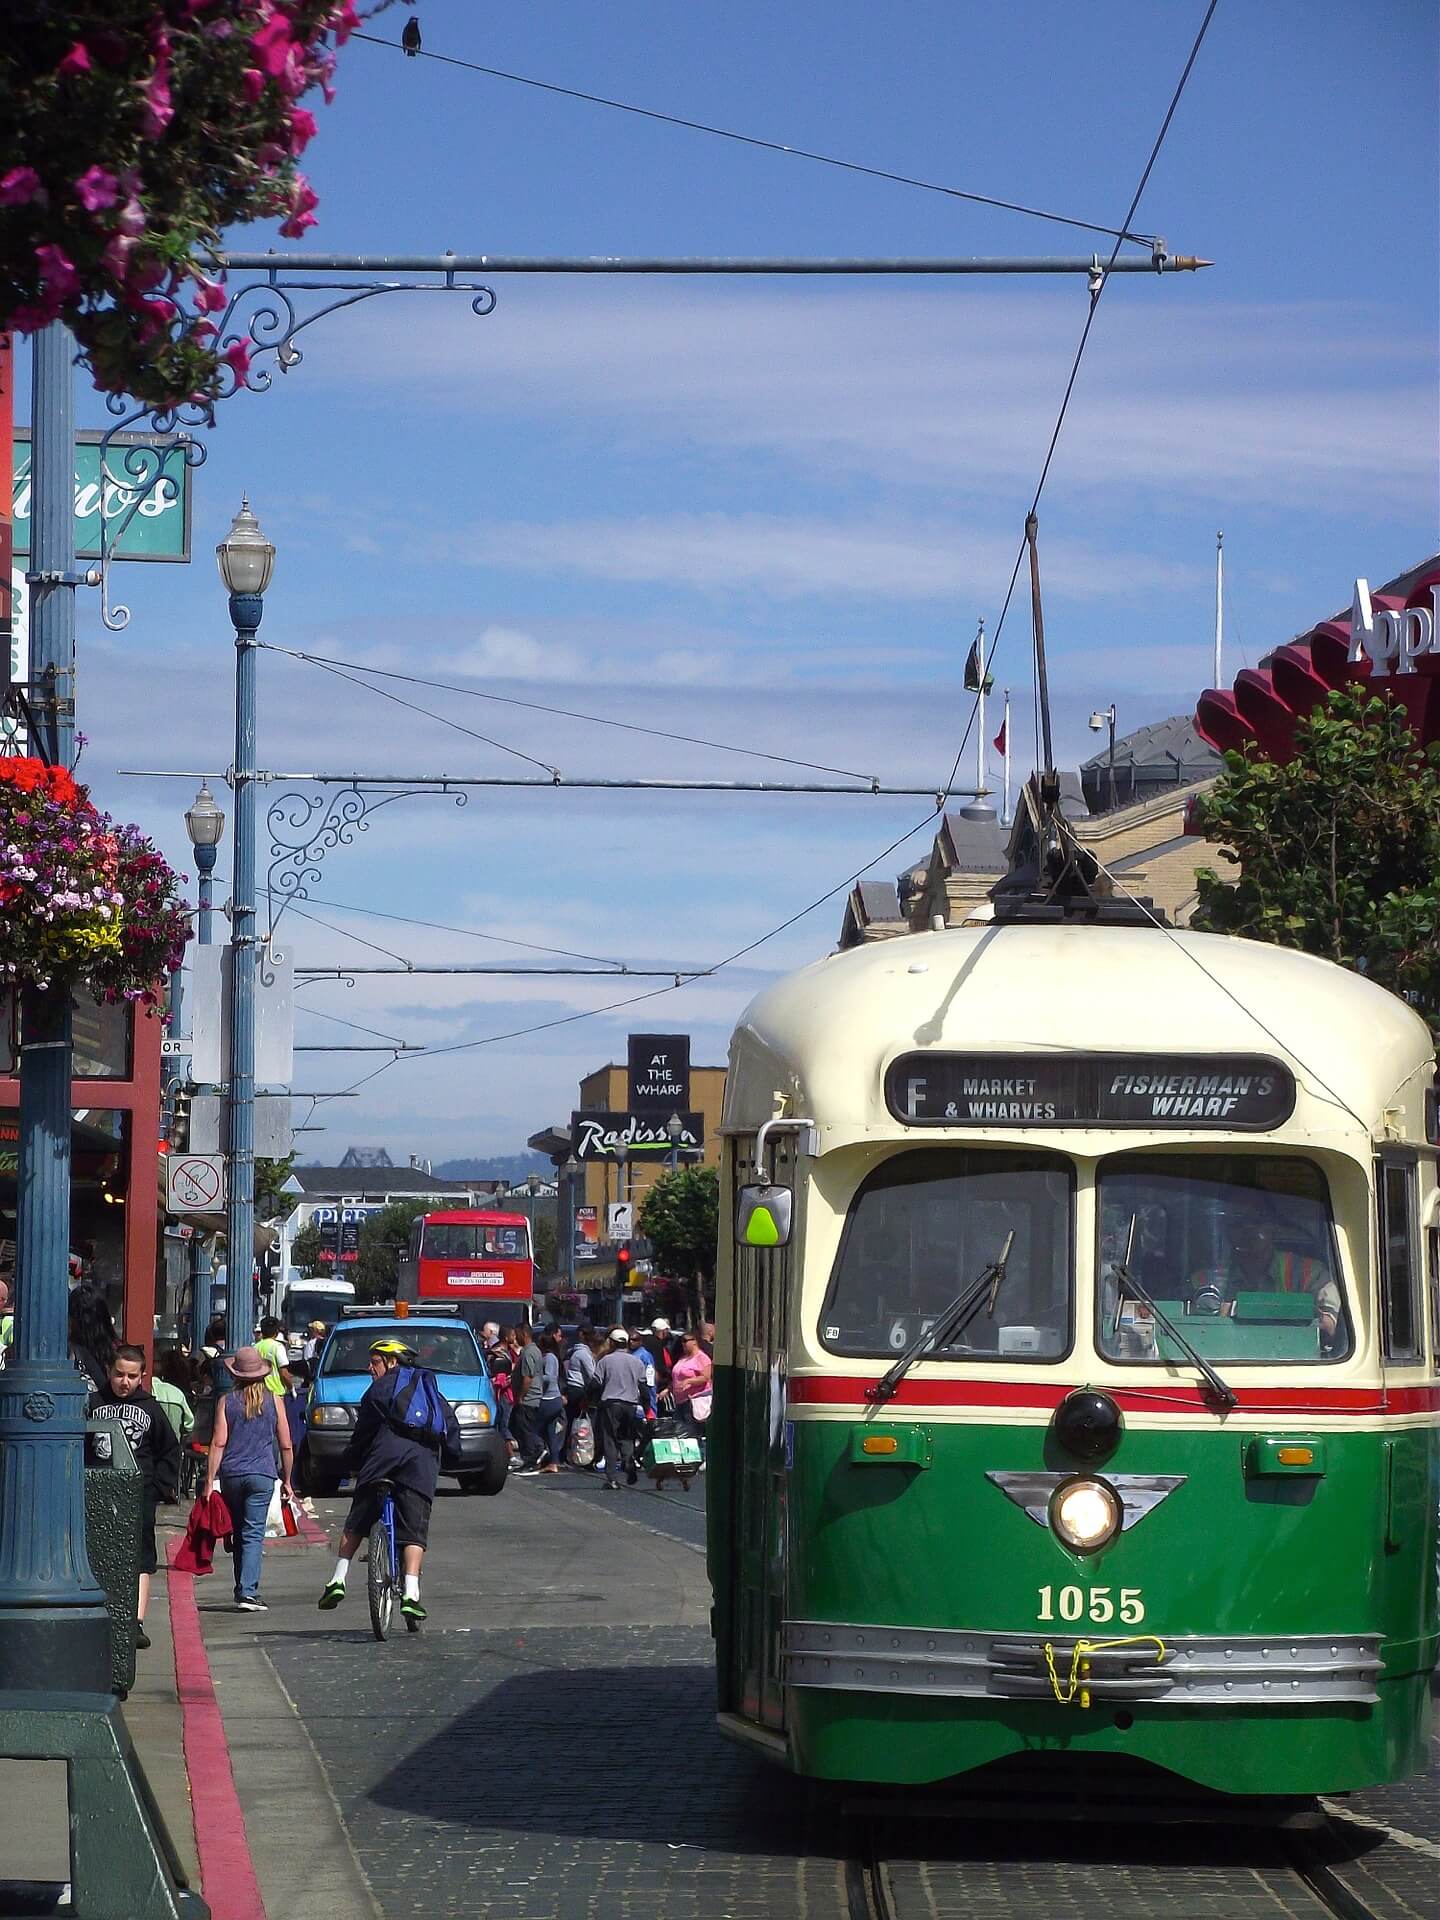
pixel 1192 1669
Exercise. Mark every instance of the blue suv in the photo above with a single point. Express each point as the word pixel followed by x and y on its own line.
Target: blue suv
pixel 447 1346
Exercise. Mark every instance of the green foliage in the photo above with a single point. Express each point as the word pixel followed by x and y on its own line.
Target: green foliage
pixel 681 1217
pixel 270 1177
pixel 1339 850
pixel 546 1244
pixel 384 1236
pixel 305 1250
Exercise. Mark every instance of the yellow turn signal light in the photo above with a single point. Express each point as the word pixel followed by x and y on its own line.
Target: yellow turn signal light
pixel 880 1443
pixel 1295 1456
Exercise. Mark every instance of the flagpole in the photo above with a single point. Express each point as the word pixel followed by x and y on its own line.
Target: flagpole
pixel 980 716
pixel 1219 604
pixel 1005 732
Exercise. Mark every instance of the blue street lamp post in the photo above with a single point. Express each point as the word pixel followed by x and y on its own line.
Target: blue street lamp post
pixel 674 1128
pixel 54 1631
pixel 246 559
pixel 205 824
pixel 56 1664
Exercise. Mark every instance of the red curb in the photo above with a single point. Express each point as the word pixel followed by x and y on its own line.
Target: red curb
pixel 227 1872
pixel 310 1530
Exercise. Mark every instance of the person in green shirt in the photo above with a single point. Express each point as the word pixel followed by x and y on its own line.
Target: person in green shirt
pixel 271 1346
pixel 170 1386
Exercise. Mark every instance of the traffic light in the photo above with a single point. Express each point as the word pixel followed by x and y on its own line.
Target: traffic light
pixel 179 1130
pixel 622 1266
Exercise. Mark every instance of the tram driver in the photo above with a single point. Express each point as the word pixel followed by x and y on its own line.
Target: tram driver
pixel 1254 1262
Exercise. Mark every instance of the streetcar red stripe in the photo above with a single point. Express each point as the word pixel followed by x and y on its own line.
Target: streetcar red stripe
pixel 836 1390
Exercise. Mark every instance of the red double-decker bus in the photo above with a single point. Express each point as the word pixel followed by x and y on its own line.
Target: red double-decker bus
pixel 479 1261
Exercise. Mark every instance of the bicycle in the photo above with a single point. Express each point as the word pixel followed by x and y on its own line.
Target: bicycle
pixel 384 1582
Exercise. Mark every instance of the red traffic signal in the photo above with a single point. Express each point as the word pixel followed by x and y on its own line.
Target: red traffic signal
pixel 622 1265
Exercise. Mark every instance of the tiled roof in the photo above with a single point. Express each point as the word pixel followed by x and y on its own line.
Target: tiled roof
pixel 1162 744
pixel 356 1181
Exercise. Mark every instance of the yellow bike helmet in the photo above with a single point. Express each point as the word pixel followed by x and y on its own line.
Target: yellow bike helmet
pixel 388 1345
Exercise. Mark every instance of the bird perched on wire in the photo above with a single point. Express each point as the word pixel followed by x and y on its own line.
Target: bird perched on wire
pixel 410 38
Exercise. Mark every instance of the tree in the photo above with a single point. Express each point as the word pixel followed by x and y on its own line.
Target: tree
pixel 546 1244
pixel 680 1216
pixel 384 1236
pixel 271 1203
pixel 1339 849
pixel 135 132
pixel 305 1248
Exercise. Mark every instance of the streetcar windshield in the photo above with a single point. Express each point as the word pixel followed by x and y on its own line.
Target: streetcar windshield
pixel 921 1228
pixel 1240 1251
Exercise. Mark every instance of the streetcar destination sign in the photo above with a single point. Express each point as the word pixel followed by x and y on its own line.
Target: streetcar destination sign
pixel 1235 1092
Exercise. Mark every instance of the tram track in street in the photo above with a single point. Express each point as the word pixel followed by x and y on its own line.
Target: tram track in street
pixel 1152 1873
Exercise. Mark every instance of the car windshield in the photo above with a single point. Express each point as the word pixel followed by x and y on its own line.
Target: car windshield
pixel 920 1231
pixel 1238 1251
pixel 446 1349
pixel 301 1307
pixel 455 1240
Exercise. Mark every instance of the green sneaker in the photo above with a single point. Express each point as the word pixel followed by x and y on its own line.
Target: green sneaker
pixel 332 1596
pixel 412 1610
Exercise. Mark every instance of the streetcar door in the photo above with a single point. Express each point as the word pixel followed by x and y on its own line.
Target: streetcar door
pixel 761 1309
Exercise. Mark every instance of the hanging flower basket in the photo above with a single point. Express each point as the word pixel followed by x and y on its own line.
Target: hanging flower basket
pixel 563 1303
pixel 83 901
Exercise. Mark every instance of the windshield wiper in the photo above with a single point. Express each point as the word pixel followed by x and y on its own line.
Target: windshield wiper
pixel 1129 1284
pixel 958 1315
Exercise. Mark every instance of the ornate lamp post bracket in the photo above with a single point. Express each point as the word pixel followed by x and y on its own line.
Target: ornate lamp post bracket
pixel 260 324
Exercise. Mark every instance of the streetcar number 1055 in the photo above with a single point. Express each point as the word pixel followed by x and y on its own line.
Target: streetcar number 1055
pixel 1097 1604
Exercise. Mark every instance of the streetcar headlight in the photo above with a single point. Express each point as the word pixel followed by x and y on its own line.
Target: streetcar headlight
pixel 1086 1514
pixel 472 1413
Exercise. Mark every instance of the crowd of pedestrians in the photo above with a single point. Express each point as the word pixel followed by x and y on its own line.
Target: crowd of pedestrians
pixel 588 1401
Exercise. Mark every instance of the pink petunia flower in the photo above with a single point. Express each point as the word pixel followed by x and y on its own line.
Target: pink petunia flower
pixel 157 112
pixel 210 296
pixel 237 355
pixel 57 272
pixel 273 45
pixel 116 257
pixel 252 84
pixel 303 128
pixel 20 186
pixel 97 188
pixel 77 60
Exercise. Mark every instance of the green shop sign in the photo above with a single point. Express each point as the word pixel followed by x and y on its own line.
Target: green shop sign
pixel 159 529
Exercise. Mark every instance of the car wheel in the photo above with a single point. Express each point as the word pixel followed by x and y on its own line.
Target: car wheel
pixel 490 1479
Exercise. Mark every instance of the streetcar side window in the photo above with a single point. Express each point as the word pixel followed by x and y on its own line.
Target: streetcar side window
pixel 921 1230
pixel 1432 1248
pixel 1399 1265
pixel 1239 1249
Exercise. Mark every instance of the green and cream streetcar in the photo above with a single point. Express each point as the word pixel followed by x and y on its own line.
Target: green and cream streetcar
pixel 1076 1363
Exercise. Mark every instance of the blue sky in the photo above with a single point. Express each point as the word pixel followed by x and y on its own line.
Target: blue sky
pixel 772 511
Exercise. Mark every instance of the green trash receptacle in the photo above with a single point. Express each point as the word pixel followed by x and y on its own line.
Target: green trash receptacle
pixel 114 1513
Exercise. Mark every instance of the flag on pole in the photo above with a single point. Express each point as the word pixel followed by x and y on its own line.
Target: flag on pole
pixel 974 665
pixel 999 741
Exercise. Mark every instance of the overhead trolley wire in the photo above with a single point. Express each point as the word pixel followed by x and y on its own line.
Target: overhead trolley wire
pixel 565 713
pixel 470 933
pixel 1098 288
pixel 767 146
pixel 456 726
pixel 1121 235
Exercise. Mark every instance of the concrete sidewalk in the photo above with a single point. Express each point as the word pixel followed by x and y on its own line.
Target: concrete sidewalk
pixel 240 1790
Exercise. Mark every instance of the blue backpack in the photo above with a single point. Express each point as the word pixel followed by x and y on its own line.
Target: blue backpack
pixel 417 1407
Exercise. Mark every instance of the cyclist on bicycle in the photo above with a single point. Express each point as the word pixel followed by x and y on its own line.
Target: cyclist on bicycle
pixel 382 1452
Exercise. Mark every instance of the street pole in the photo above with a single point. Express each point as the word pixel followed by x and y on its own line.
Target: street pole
pixel 57 1665
pixel 54 1630
pixel 1111 717
pixel 205 823
pixel 245 558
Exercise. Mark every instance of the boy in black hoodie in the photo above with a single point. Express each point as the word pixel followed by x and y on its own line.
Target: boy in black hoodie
pixel 157 1454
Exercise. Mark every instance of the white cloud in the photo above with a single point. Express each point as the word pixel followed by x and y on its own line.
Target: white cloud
pixel 957 388
pixel 504 653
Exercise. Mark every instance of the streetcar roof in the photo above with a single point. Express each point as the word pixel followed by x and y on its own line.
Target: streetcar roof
pixel 825 1035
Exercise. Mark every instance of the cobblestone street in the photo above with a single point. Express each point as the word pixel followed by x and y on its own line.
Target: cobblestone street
pixel 547 1748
